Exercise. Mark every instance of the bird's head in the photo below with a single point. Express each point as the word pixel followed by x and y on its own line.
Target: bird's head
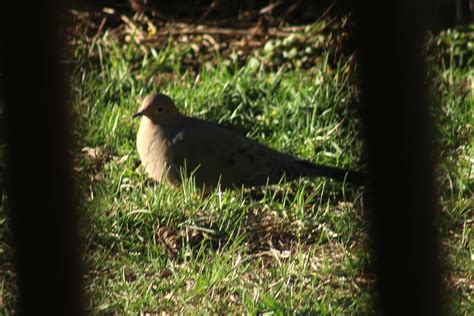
pixel 157 106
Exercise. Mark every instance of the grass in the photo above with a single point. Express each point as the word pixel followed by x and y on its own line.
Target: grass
pixel 294 248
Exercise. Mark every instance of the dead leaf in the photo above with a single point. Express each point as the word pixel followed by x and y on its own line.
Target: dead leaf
pixel 169 239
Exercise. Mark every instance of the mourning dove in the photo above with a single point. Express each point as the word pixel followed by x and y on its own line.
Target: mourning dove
pixel 171 144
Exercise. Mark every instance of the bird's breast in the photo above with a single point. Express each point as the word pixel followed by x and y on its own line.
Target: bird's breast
pixel 153 149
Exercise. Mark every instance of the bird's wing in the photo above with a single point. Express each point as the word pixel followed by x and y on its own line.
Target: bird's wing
pixel 215 153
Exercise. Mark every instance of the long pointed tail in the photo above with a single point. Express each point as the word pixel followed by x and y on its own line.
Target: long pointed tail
pixel 315 170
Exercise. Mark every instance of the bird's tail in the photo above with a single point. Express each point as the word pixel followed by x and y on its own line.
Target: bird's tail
pixel 315 170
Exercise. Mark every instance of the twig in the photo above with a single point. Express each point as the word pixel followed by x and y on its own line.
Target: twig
pixel 211 8
pixel 326 12
pixel 221 31
pixel 99 30
pixel 269 8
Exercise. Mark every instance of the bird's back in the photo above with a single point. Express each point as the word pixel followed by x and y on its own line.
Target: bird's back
pixel 216 154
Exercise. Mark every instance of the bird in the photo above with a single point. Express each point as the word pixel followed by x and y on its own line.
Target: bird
pixel 172 146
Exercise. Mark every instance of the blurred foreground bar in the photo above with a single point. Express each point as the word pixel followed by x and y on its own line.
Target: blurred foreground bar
pixel 39 180
pixel 399 132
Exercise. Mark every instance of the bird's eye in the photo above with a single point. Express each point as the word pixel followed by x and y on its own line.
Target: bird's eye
pixel 160 109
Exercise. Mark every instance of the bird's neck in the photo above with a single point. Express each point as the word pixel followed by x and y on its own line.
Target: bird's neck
pixel 161 127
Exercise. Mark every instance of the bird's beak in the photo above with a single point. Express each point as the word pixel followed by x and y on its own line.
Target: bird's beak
pixel 140 113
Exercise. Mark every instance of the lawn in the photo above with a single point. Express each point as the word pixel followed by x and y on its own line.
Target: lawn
pixel 298 247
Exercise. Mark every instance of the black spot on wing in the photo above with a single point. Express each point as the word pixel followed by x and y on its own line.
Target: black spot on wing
pixel 261 152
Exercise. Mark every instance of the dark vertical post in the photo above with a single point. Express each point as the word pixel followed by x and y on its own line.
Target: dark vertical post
pixel 400 156
pixel 39 185
pixel 463 12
